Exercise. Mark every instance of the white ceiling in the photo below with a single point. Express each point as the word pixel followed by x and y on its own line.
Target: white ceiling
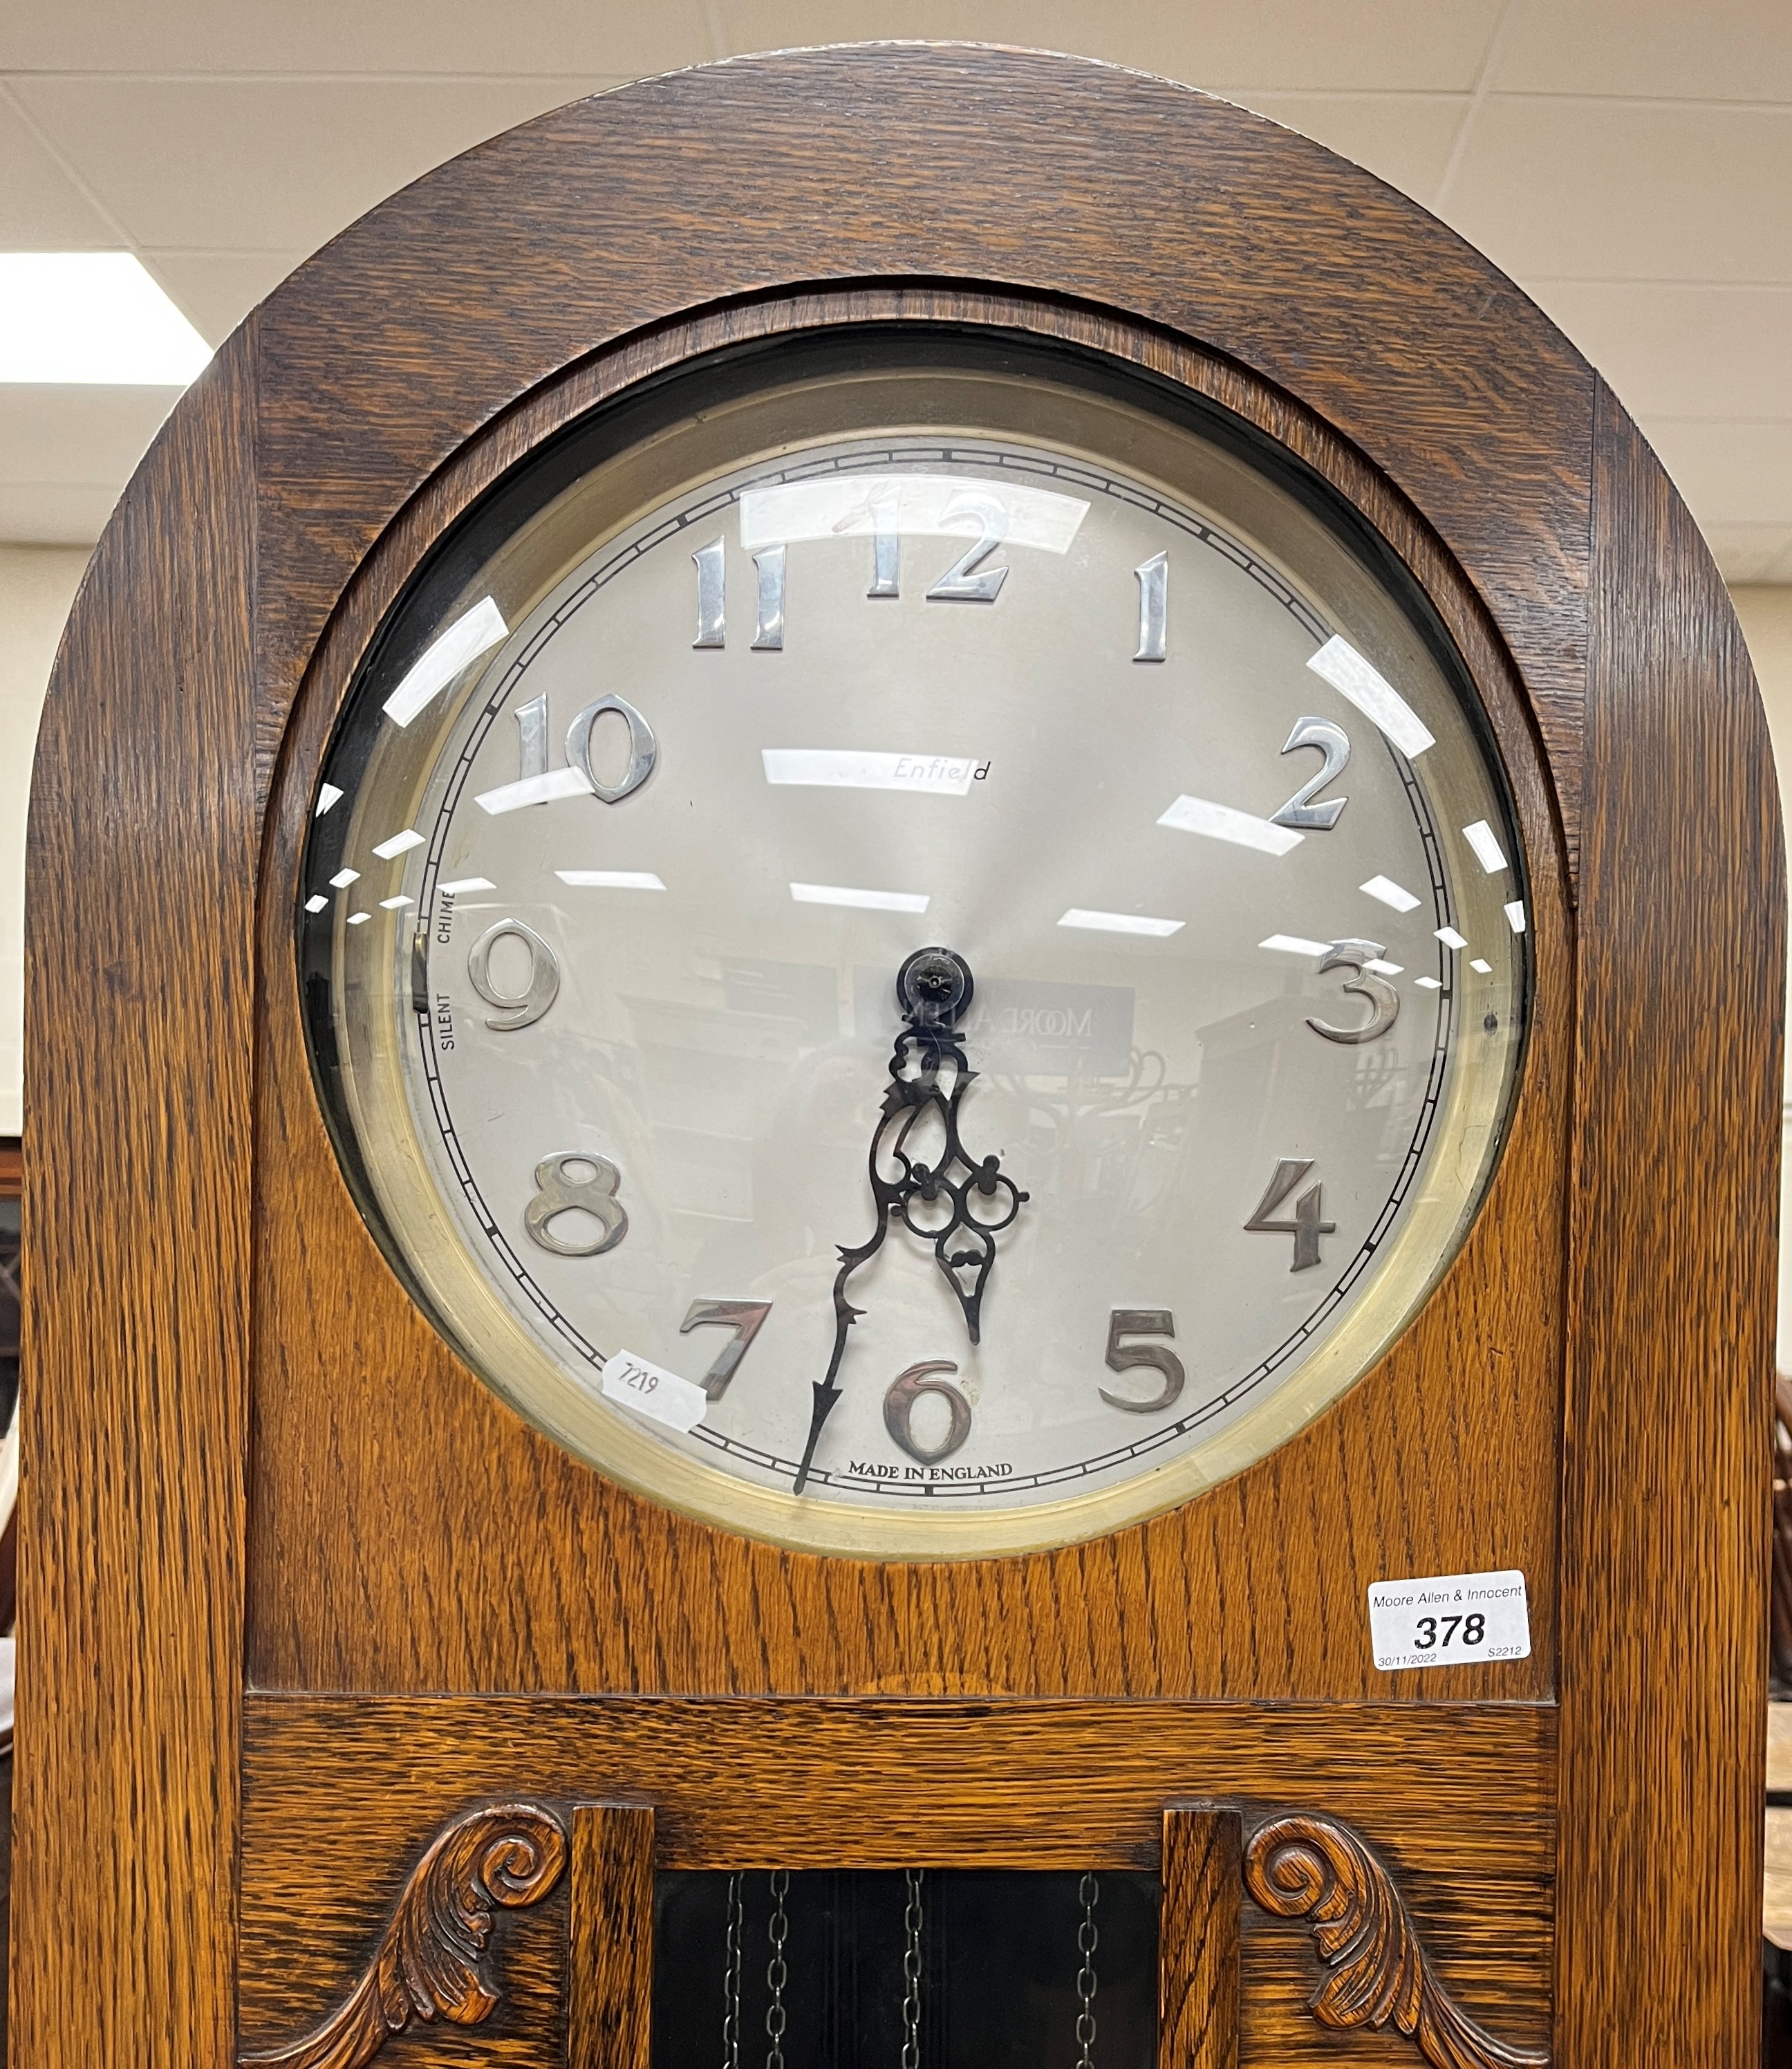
pixel 1629 161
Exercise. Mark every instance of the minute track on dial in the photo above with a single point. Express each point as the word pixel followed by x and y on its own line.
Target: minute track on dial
pixel 933 990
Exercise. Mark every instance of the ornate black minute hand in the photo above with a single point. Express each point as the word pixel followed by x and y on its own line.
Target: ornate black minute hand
pixel 934 989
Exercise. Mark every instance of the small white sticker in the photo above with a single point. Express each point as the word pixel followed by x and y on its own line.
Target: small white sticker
pixel 637 1383
pixel 1449 1618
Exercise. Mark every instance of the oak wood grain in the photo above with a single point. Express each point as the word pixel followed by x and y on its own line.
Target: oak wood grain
pixel 338 1793
pixel 616 1593
pixel 1198 1937
pixel 1667 1475
pixel 609 1983
pixel 141 882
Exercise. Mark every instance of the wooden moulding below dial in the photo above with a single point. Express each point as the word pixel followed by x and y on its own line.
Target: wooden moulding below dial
pixel 1446 1813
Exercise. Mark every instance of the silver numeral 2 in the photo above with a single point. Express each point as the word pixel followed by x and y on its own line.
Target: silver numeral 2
pixel 1300 812
pixel 1307 1227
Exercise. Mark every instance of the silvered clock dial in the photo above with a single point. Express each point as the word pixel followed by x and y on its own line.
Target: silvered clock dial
pixel 924 956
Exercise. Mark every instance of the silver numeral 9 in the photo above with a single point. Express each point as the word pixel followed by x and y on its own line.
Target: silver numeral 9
pixel 523 1008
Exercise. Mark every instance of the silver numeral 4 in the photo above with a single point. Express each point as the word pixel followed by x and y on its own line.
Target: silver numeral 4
pixel 1307 1226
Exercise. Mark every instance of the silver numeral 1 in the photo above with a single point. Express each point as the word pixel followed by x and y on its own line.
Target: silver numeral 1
pixel 745 1318
pixel 1306 1228
pixel 711 579
pixel 1153 606
pixel 886 543
pixel 769 633
pixel 531 724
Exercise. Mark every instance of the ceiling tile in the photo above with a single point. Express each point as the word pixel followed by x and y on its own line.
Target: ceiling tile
pixel 41 208
pixel 1315 45
pixel 1729 473
pixel 1593 189
pixel 216 290
pixel 1679 350
pixel 1403 138
pixel 80 436
pixel 1752 553
pixel 1715 50
pixel 267 164
pixel 524 36
pixel 53 514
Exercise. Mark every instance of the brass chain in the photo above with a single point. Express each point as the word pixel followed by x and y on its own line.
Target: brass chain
pixel 731 1985
pixel 912 1921
pixel 777 1973
pixel 1088 1890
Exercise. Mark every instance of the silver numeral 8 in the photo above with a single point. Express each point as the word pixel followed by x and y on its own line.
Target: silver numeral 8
pixel 559 1190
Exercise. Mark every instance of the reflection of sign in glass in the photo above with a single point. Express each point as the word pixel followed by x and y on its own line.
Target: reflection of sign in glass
pixel 1018 1030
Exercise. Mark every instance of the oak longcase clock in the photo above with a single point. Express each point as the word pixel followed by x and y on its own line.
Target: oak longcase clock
pixel 904 1141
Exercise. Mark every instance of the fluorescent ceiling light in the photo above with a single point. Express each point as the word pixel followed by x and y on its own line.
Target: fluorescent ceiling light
pixel 316 903
pixel 1452 939
pixel 470 636
pixel 465 883
pixel 1296 945
pixel 1475 963
pixel 1487 853
pixel 395 905
pixel 1383 888
pixel 1515 916
pixel 611 879
pixel 344 877
pixel 868 901
pixel 944 775
pixel 359 919
pixel 1372 694
pixel 328 795
pixel 1120 923
pixel 385 850
pixel 1196 815
pixel 94 317
pixel 534 790
pixel 1382 969
pixel 1428 983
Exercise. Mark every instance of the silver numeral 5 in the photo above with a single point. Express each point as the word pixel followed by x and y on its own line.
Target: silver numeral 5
pixel 1384 1001
pixel 1122 1357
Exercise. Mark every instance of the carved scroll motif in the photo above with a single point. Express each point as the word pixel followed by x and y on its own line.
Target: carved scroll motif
pixel 508 1854
pixel 1317 1869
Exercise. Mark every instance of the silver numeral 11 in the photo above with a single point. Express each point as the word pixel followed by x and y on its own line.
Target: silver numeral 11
pixel 1153 576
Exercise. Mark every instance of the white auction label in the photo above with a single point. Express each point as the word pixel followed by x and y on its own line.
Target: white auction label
pixel 638 1383
pixel 1449 1618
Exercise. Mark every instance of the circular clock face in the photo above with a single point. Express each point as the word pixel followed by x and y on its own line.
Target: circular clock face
pixel 916 960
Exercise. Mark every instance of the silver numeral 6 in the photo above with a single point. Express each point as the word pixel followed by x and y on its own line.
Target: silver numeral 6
pixel 1384 1001
pixel 559 1189
pixel 907 1388
pixel 520 1009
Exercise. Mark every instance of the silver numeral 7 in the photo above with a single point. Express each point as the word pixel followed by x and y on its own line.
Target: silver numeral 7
pixel 745 1318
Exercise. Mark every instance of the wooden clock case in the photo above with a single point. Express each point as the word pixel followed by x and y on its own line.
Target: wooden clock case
pixel 298 1592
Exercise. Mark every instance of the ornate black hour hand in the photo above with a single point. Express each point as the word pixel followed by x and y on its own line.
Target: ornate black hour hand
pixel 958 1204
